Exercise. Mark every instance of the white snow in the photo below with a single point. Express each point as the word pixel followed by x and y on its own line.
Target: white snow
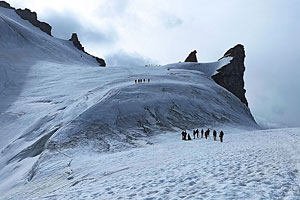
pixel 247 165
pixel 68 129
pixel 208 69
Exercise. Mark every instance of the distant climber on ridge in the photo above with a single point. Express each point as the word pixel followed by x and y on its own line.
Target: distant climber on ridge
pixel 192 57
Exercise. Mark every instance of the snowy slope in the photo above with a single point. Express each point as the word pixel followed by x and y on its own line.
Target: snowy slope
pixel 248 165
pixel 55 98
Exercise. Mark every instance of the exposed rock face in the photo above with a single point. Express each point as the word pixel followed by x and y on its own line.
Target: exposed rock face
pixel 32 18
pixel 192 57
pixel 29 16
pixel 76 42
pixel 26 14
pixel 100 61
pixel 79 46
pixel 5 5
pixel 231 76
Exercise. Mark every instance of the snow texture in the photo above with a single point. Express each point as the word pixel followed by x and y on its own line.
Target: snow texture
pixel 247 165
pixel 68 128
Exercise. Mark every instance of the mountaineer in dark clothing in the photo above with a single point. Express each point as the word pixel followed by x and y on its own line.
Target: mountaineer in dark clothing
pixel 197 132
pixel 207 133
pixel 202 132
pixel 189 137
pixel 221 136
pixel 194 134
pixel 215 135
pixel 184 134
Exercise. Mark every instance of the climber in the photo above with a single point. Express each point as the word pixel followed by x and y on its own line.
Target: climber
pixel 207 133
pixel 215 135
pixel 221 136
pixel 183 134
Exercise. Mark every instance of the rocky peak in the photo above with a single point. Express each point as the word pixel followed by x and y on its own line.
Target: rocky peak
pixel 26 14
pixel 76 42
pixel 30 16
pixel 78 45
pixel 192 57
pixel 5 5
pixel 231 76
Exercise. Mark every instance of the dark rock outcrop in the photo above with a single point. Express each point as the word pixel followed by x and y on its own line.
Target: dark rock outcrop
pixel 79 46
pixel 5 5
pixel 76 42
pixel 26 14
pixel 231 76
pixel 100 61
pixel 192 57
pixel 32 18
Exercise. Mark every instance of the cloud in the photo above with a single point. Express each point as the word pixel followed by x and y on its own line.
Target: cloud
pixel 111 8
pixel 171 21
pixel 67 22
pixel 122 58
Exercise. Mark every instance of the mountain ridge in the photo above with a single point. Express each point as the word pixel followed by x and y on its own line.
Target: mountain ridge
pixel 31 17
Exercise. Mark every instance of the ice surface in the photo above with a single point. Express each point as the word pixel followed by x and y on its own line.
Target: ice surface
pixel 208 69
pixel 68 128
pixel 247 165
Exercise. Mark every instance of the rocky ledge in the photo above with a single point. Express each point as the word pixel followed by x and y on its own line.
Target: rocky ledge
pixel 30 16
pixel 231 76
pixel 79 46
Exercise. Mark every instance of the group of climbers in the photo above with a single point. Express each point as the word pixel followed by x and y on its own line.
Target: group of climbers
pixel 186 136
pixel 141 81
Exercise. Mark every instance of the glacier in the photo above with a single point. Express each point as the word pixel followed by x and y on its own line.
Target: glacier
pixel 70 129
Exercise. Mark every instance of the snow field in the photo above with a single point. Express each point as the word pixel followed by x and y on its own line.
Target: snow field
pixel 248 165
pixel 54 94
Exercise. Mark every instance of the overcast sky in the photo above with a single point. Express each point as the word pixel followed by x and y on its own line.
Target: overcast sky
pixel 154 31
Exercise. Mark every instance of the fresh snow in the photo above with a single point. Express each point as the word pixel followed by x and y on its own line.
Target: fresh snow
pixel 208 69
pixel 247 165
pixel 70 129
